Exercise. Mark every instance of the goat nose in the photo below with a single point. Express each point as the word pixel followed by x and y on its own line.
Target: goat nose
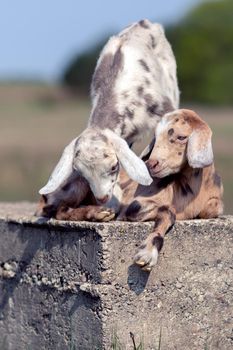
pixel 152 164
pixel 103 199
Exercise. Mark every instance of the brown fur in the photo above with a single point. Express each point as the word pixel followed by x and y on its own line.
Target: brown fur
pixel 70 195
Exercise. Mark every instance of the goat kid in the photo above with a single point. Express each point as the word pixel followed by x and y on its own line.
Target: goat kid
pixel 185 186
pixel 133 86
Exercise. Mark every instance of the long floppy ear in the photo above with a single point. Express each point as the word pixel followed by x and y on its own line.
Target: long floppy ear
pixel 199 150
pixel 145 155
pixel 133 165
pixel 62 171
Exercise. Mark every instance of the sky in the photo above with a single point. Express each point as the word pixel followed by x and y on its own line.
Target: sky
pixel 39 37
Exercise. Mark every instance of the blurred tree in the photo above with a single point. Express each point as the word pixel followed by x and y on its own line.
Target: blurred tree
pixel 78 72
pixel 203 46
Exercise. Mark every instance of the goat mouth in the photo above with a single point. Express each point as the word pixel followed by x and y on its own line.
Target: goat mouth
pixel 154 173
pixel 160 173
pixel 103 200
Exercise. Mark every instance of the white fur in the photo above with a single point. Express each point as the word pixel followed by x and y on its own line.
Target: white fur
pixel 162 125
pixel 146 256
pixel 199 156
pixel 62 171
pixel 133 165
pixel 162 75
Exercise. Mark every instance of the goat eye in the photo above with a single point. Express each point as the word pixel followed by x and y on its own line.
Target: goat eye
pixel 114 168
pixel 181 138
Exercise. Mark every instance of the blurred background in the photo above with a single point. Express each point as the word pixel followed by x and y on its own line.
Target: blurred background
pixel 48 52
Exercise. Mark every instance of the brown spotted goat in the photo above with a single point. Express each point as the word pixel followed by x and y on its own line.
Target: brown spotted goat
pixel 182 187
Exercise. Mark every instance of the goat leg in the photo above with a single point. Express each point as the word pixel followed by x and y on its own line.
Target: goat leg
pixel 147 254
pixel 87 213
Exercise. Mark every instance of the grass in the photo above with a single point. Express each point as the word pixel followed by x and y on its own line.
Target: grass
pixel 37 121
pixel 117 345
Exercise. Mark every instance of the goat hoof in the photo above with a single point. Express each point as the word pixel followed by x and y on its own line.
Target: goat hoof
pixel 147 268
pixel 146 258
pixel 102 214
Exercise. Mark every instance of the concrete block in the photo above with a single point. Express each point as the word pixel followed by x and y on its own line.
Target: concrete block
pixel 67 285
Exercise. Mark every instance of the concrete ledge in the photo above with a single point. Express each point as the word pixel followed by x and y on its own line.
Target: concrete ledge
pixel 66 285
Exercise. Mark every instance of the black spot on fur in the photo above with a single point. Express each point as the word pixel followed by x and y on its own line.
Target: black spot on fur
pixel 170 131
pixel 153 109
pixel 125 94
pixel 163 208
pixel 123 126
pixel 133 209
pixel 172 141
pixel 105 75
pixel 50 211
pixel 103 137
pixel 217 180
pixel 172 217
pixel 66 187
pixel 140 90
pixel 179 153
pixel 166 209
pixel 98 136
pixel 163 183
pixel 129 113
pixel 143 24
pixel 148 99
pixel 167 105
pixel 144 65
pixel 147 82
pixel 107 70
pixel 153 43
pixel 186 189
pixel 44 198
pixel 157 222
pixel 158 242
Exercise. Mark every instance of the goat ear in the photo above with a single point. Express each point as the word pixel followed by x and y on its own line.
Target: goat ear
pixel 62 171
pixel 199 149
pixel 133 165
pixel 145 155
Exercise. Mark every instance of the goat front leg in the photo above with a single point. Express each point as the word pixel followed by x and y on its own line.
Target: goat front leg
pixel 87 213
pixel 148 252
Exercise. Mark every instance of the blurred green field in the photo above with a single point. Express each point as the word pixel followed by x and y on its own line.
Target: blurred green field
pixel 37 121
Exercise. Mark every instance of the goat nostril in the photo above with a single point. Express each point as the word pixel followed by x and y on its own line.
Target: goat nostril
pixel 153 164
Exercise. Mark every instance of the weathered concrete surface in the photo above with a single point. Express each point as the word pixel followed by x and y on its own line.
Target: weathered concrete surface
pixel 71 285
